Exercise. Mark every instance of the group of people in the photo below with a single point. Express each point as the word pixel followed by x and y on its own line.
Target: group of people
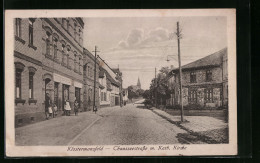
pixel 51 109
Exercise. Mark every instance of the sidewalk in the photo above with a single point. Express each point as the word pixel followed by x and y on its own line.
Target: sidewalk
pixel 52 131
pixel 208 129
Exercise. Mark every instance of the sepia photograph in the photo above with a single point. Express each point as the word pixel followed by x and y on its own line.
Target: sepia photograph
pixel 120 82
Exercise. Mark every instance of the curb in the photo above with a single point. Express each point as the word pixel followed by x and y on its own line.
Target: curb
pixel 202 138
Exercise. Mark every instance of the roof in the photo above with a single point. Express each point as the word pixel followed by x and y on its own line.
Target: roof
pixel 211 60
pixel 101 69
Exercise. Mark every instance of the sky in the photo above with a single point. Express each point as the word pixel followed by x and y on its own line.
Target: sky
pixel 139 44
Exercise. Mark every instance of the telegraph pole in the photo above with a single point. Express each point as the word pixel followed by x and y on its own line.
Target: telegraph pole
pixel 155 82
pixel 180 72
pixel 94 102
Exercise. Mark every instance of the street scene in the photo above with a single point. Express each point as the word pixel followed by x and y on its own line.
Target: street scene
pixel 149 80
pixel 130 125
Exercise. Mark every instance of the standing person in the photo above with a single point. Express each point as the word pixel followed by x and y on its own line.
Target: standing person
pixel 76 107
pixel 95 109
pixel 67 108
pixel 55 109
pixel 47 105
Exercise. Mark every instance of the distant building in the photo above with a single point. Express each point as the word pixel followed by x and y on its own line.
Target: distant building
pixel 205 82
pixel 137 86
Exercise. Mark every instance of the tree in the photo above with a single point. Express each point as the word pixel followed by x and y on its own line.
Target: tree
pixel 147 94
pixel 161 87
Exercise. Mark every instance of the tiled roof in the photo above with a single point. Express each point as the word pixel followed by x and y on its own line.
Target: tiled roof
pixel 212 60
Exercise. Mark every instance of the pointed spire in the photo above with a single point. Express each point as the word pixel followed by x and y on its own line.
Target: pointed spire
pixel 139 83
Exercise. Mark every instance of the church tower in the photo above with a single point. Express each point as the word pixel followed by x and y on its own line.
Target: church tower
pixel 139 83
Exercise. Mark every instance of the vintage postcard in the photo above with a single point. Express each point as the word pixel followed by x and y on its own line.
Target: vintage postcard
pixel 120 82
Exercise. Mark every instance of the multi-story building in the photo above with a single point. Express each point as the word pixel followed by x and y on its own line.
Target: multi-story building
pixel 89 78
pixel 205 82
pixel 48 58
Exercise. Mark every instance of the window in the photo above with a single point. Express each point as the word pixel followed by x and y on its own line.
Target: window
pixel 31 77
pixel 63 53
pixel 193 96
pixel 18 82
pixel 79 64
pixel 31 74
pixel 68 57
pixel 208 75
pixel 31 21
pixel 193 77
pixel 48 50
pixel 75 62
pixel 208 95
pixel 19 67
pixel 18 27
pixel 55 49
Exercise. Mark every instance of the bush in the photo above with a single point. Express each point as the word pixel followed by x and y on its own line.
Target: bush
pixel 147 102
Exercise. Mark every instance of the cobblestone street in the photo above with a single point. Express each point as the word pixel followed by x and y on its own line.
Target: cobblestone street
pixel 110 126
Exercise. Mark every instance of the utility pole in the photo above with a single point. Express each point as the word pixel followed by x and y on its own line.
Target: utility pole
pixel 94 102
pixel 180 72
pixel 155 83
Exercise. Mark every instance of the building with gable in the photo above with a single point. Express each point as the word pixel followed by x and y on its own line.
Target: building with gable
pixel 204 81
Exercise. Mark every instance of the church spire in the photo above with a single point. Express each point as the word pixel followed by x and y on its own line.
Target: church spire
pixel 139 83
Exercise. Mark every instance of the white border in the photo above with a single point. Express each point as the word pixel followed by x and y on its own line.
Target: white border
pixel 192 150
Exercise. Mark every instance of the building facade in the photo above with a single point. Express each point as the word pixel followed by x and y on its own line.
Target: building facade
pixel 89 78
pixel 113 84
pixel 48 58
pixel 204 82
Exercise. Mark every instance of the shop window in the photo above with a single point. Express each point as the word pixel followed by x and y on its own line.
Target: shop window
pixel 193 77
pixel 208 75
